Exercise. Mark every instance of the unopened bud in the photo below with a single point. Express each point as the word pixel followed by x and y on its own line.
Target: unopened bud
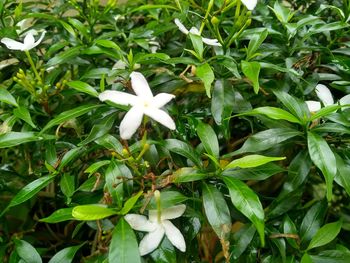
pixel 214 20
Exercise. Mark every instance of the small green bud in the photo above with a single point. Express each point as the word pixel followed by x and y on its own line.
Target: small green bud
pixel 215 20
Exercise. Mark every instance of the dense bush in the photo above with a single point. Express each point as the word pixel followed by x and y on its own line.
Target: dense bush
pixel 238 151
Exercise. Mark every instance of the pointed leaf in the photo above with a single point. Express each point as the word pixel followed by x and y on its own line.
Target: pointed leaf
pixel 66 255
pixel 251 70
pixel 92 212
pixel 208 138
pixel 250 161
pixel 248 203
pixel 6 97
pixel 123 247
pixel 59 215
pixel 325 235
pixel 83 87
pixel 206 74
pixel 27 252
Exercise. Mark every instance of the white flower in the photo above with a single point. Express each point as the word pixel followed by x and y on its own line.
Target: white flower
pixel 157 228
pixel 250 4
pixel 326 97
pixel 142 103
pixel 28 42
pixel 195 31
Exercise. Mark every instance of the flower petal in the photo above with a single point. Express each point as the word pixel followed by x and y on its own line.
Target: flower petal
pixel 29 41
pixel 160 116
pixel 313 106
pixel 119 97
pixel 40 39
pixel 211 42
pixel 182 28
pixel 344 101
pixel 250 4
pixel 12 44
pixel 161 99
pixel 173 212
pixel 195 31
pixel 140 222
pixel 140 85
pixel 324 94
pixel 151 241
pixel 130 123
pixel 174 235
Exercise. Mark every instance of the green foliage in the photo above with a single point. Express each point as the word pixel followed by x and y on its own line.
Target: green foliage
pixel 263 175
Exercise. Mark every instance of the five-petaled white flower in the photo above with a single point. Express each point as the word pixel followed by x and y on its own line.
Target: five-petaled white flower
pixel 157 227
pixel 143 103
pixel 195 31
pixel 250 4
pixel 325 95
pixel 28 42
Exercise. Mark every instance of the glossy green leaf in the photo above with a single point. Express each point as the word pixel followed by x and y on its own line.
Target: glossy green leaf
pixel 325 235
pixel 65 255
pixel 67 185
pixel 95 166
pixel 248 203
pixel 216 210
pixel 6 97
pixel 69 114
pixel 64 56
pixel 255 42
pixel 129 204
pixel 27 252
pixel 312 222
pixel 114 181
pixel 273 113
pixel 188 174
pixel 110 142
pixel 208 138
pixel 252 70
pixel 197 45
pixel 124 245
pixel 265 140
pixel 250 161
pixel 183 149
pixel 60 215
pixel 11 139
pixel 83 87
pixel 92 212
pixel 168 199
pixel 70 156
pixel 29 191
pixel 242 240
pixel 323 157
pixel 206 75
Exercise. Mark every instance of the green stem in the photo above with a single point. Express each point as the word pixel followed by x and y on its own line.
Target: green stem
pixel 33 67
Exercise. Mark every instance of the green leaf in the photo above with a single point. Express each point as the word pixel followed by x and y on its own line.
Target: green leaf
pixel 59 215
pixel 323 157
pixel 92 212
pixel 6 97
pixel 342 177
pixel 188 174
pixel 129 204
pixel 257 173
pixel 325 111
pixel 95 166
pixel 255 42
pixel 217 211
pixel 206 75
pixel 70 156
pixel 183 149
pixel 273 113
pixel 124 247
pixel 325 235
pixel 242 240
pixel 282 13
pixel 67 185
pixel 69 114
pixel 11 139
pixel 23 114
pixel 110 142
pixel 312 222
pixel 297 107
pixel 64 56
pixel 115 175
pixel 29 191
pixel 83 87
pixel 65 255
pixel 27 252
pixel 208 138
pixel 251 70
pixel 197 45
pixel 252 161
pixel 265 140
pixel 248 203
pixel 168 199
pixel 331 256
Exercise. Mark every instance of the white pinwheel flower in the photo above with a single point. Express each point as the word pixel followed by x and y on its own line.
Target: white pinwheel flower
pixel 28 42
pixel 250 4
pixel 195 31
pixel 157 228
pixel 326 97
pixel 143 103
